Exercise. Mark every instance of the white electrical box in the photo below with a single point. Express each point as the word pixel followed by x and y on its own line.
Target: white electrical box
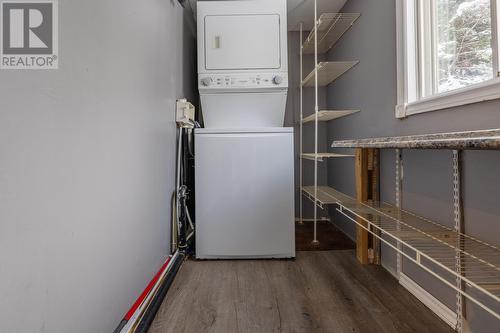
pixel 185 113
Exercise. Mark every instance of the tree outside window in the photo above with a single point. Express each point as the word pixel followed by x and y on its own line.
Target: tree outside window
pixel 463 43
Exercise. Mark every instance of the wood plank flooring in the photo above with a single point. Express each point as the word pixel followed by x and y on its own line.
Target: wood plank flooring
pixel 329 236
pixel 317 292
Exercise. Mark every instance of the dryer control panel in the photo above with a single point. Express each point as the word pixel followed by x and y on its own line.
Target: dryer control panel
pixel 243 81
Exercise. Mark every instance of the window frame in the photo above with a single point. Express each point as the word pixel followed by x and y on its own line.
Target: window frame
pixel 409 73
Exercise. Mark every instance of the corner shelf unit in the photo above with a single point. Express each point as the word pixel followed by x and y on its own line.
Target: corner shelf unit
pixel 467 265
pixel 328 29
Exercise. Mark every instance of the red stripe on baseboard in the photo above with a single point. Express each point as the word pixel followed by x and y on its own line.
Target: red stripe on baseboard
pixel 146 291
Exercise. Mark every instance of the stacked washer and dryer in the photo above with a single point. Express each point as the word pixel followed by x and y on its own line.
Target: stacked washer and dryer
pixel 244 162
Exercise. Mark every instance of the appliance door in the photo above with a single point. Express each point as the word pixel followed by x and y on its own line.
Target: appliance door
pixel 236 42
pixel 244 195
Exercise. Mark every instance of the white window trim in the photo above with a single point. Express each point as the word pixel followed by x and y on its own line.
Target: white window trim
pixel 407 66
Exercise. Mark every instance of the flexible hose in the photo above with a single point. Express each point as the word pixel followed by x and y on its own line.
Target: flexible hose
pixel 174 229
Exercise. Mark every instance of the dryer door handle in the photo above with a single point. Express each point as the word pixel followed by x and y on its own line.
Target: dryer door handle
pixel 217 42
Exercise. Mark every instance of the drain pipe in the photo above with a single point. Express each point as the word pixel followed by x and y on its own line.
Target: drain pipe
pixel 149 315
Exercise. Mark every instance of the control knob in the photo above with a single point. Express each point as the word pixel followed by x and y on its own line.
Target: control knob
pixel 277 79
pixel 206 81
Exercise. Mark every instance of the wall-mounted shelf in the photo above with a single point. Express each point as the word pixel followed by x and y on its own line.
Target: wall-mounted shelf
pixel 322 156
pixel 328 72
pixel 487 139
pixel 426 243
pixel 327 115
pixel 331 27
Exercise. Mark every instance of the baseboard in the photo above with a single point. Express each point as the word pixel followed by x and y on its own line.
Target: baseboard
pixel 342 231
pixel 441 310
pixel 390 270
pixel 347 235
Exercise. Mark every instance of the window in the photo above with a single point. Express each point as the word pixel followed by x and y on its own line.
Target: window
pixel 447 54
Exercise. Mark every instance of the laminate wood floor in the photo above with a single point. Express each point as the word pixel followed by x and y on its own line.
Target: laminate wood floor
pixel 329 236
pixel 317 292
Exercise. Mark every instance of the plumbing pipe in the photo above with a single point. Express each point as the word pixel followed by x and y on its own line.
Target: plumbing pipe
pixel 140 305
pixel 157 300
pixel 174 232
pixel 140 300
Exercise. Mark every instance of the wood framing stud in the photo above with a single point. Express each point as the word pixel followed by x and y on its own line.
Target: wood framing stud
pixel 367 189
pixel 362 195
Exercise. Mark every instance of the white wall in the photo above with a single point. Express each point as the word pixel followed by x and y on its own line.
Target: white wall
pixel 87 166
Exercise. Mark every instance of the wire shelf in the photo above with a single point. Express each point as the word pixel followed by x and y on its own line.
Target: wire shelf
pixel 428 244
pixel 327 115
pixel 328 72
pixel 325 195
pixel 331 27
pixel 322 156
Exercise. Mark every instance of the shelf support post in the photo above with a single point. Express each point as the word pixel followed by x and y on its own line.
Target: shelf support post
pixel 301 106
pixel 459 228
pixel 374 177
pixel 316 111
pixel 399 204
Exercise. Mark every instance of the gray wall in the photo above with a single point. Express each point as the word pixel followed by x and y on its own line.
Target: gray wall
pixel 87 166
pixel 371 87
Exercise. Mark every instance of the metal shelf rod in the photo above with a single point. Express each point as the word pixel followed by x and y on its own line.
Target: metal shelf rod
pixel 316 119
pixel 301 157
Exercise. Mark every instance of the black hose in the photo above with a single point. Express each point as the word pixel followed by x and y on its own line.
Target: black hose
pixel 182 216
pixel 174 233
pixel 150 314
pixel 121 326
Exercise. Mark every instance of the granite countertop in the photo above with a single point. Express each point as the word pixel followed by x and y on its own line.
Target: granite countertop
pixel 486 139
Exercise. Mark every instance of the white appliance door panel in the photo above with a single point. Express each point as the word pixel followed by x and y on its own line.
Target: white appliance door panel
pixel 234 42
pixel 244 195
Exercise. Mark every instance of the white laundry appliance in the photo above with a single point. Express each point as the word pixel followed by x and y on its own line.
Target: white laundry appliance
pixel 244 163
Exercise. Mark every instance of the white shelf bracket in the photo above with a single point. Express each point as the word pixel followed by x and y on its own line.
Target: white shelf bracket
pixel 399 203
pixel 459 227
